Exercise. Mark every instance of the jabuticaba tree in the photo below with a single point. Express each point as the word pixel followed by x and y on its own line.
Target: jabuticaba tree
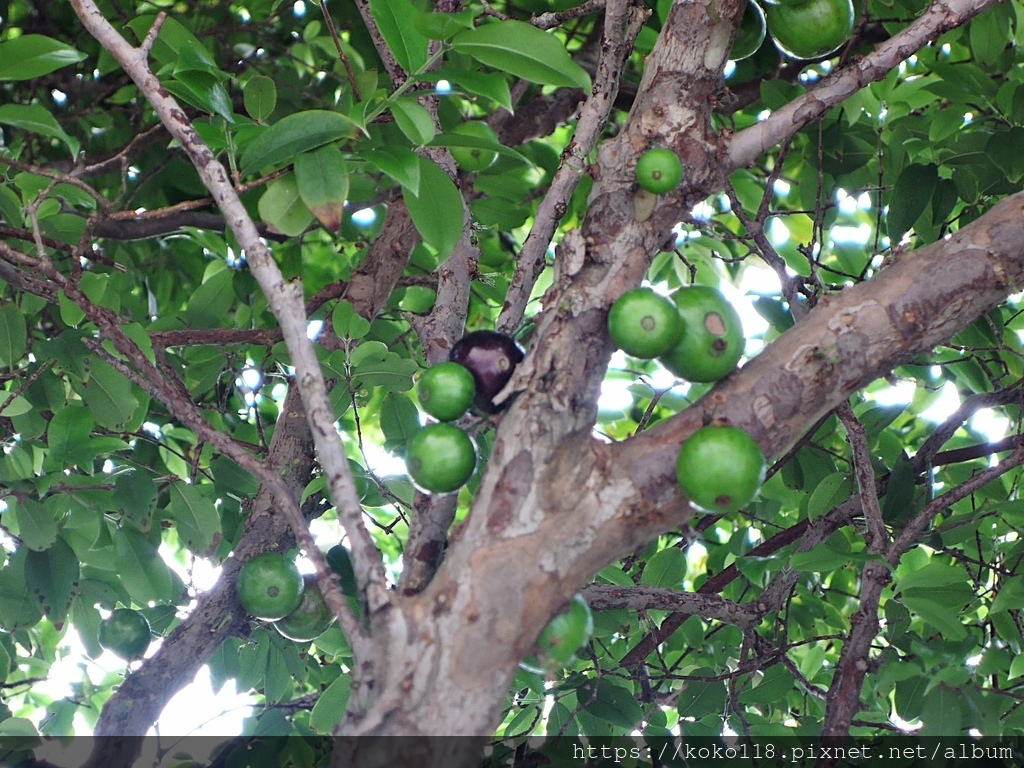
pixel 233 237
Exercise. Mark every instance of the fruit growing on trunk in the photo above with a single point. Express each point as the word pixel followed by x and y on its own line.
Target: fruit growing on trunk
pixel 812 28
pixel 269 586
pixel 440 458
pixel 712 340
pixel 659 170
pixel 720 468
pixel 644 324
pixel 446 390
pixel 491 357
pixel 311 617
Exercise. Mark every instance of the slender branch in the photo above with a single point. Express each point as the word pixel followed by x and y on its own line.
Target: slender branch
pixel 878 537
pixel 621 26
pixel 554 19
pixel 941 16
pixel 606 597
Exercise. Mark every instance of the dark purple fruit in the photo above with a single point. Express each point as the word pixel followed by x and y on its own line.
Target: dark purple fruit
pixel 491 357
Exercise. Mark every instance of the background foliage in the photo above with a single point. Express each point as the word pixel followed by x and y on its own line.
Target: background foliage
pixel 109 498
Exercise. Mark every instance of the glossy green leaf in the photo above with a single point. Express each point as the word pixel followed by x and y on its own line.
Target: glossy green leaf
pixel 30 56
pixel 202 90
pixel 1006 149
pixel 400 163
pixel 414 120
pixel 143 572
pixel 209 305
pixel 282 208
pixel 897 507
pixel 259 97
pixel 34 523
pixel 666 568
pixel 322 179
pixel 524 51
pixel 292 135
pixel 437 209
pixel 910 196
pixel 399 420
pixel 36 119
pixel 396 20
pixel 109 396
pixel 13 335
pixel 331 704
pixel 135 494
pixel 196 518
pixel 52 576
pixel 347 323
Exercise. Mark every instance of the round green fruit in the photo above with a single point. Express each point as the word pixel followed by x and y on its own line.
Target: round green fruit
pixel 712 340
pixel 474 159
pixel 750 34
pixel 440 458
pixel 659 170
pixel 446 390
pixel 565 634
pixel 126 633
pixel 269 586
pixel 311 618
pixel 644 324
pixel 810 29
pixel 720 468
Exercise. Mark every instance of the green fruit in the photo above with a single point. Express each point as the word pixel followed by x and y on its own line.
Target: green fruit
pixel 446 391
pixel 564 635
pixel 312 616
pixel 126 633
pixel 720 468
pixel 440 458
pixel 659 170
pixel 810 29
pixel 477 158
pixel 644 324
pixel 269 586
pixel 712 340
pixel 750 34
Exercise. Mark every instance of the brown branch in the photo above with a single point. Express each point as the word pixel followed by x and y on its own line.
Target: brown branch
pixel 877 536
pixel 942 15
pixel 622 24
pixel 607 597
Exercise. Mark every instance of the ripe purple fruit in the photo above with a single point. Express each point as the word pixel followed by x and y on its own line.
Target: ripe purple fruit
pixel 491 357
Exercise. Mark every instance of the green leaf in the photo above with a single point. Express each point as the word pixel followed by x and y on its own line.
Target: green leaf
pixel 13 335
pixel 281 206
pixel 346 323
pixel 202 90
pixel 374 365
pixel 34 523
pixel 135 495
pixel 196 518
pixel 1016 666
pixel 665 569
pixel 830 492
pixel 441 26
pixel 330 705
pixel 940 615
pixel 396 20
pixel 293 135
pixel 910 196
pixel 699 698
pixel 943 712
pixel 776 682
pixel 414 120
pixel 52 576
pixel 68 431
pixel 524 51
pixel 175 43
pixel 143 572
pixel 400 163
pixel 1010 597
pixel 399 420
pixel 36 119
pixel 109 396
pixel 259 97
pixel 436 210
pixel 615 705
pixel 490 85
pixel 209 304
pixel 1006 150
pixel 897 507
pixel 30 56
pixel 322 178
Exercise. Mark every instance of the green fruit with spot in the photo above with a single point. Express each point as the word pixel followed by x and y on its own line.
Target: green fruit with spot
pixel 477 158
pixel 311 618
pixel 126 632
pixel 812 28
pixel 751 32
pixel 446 390
pixel 644 324
pixel 440 458
pixel 565 635
pixel 269 586
pixel 720 469
pixel 711 343
pixel 659 170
